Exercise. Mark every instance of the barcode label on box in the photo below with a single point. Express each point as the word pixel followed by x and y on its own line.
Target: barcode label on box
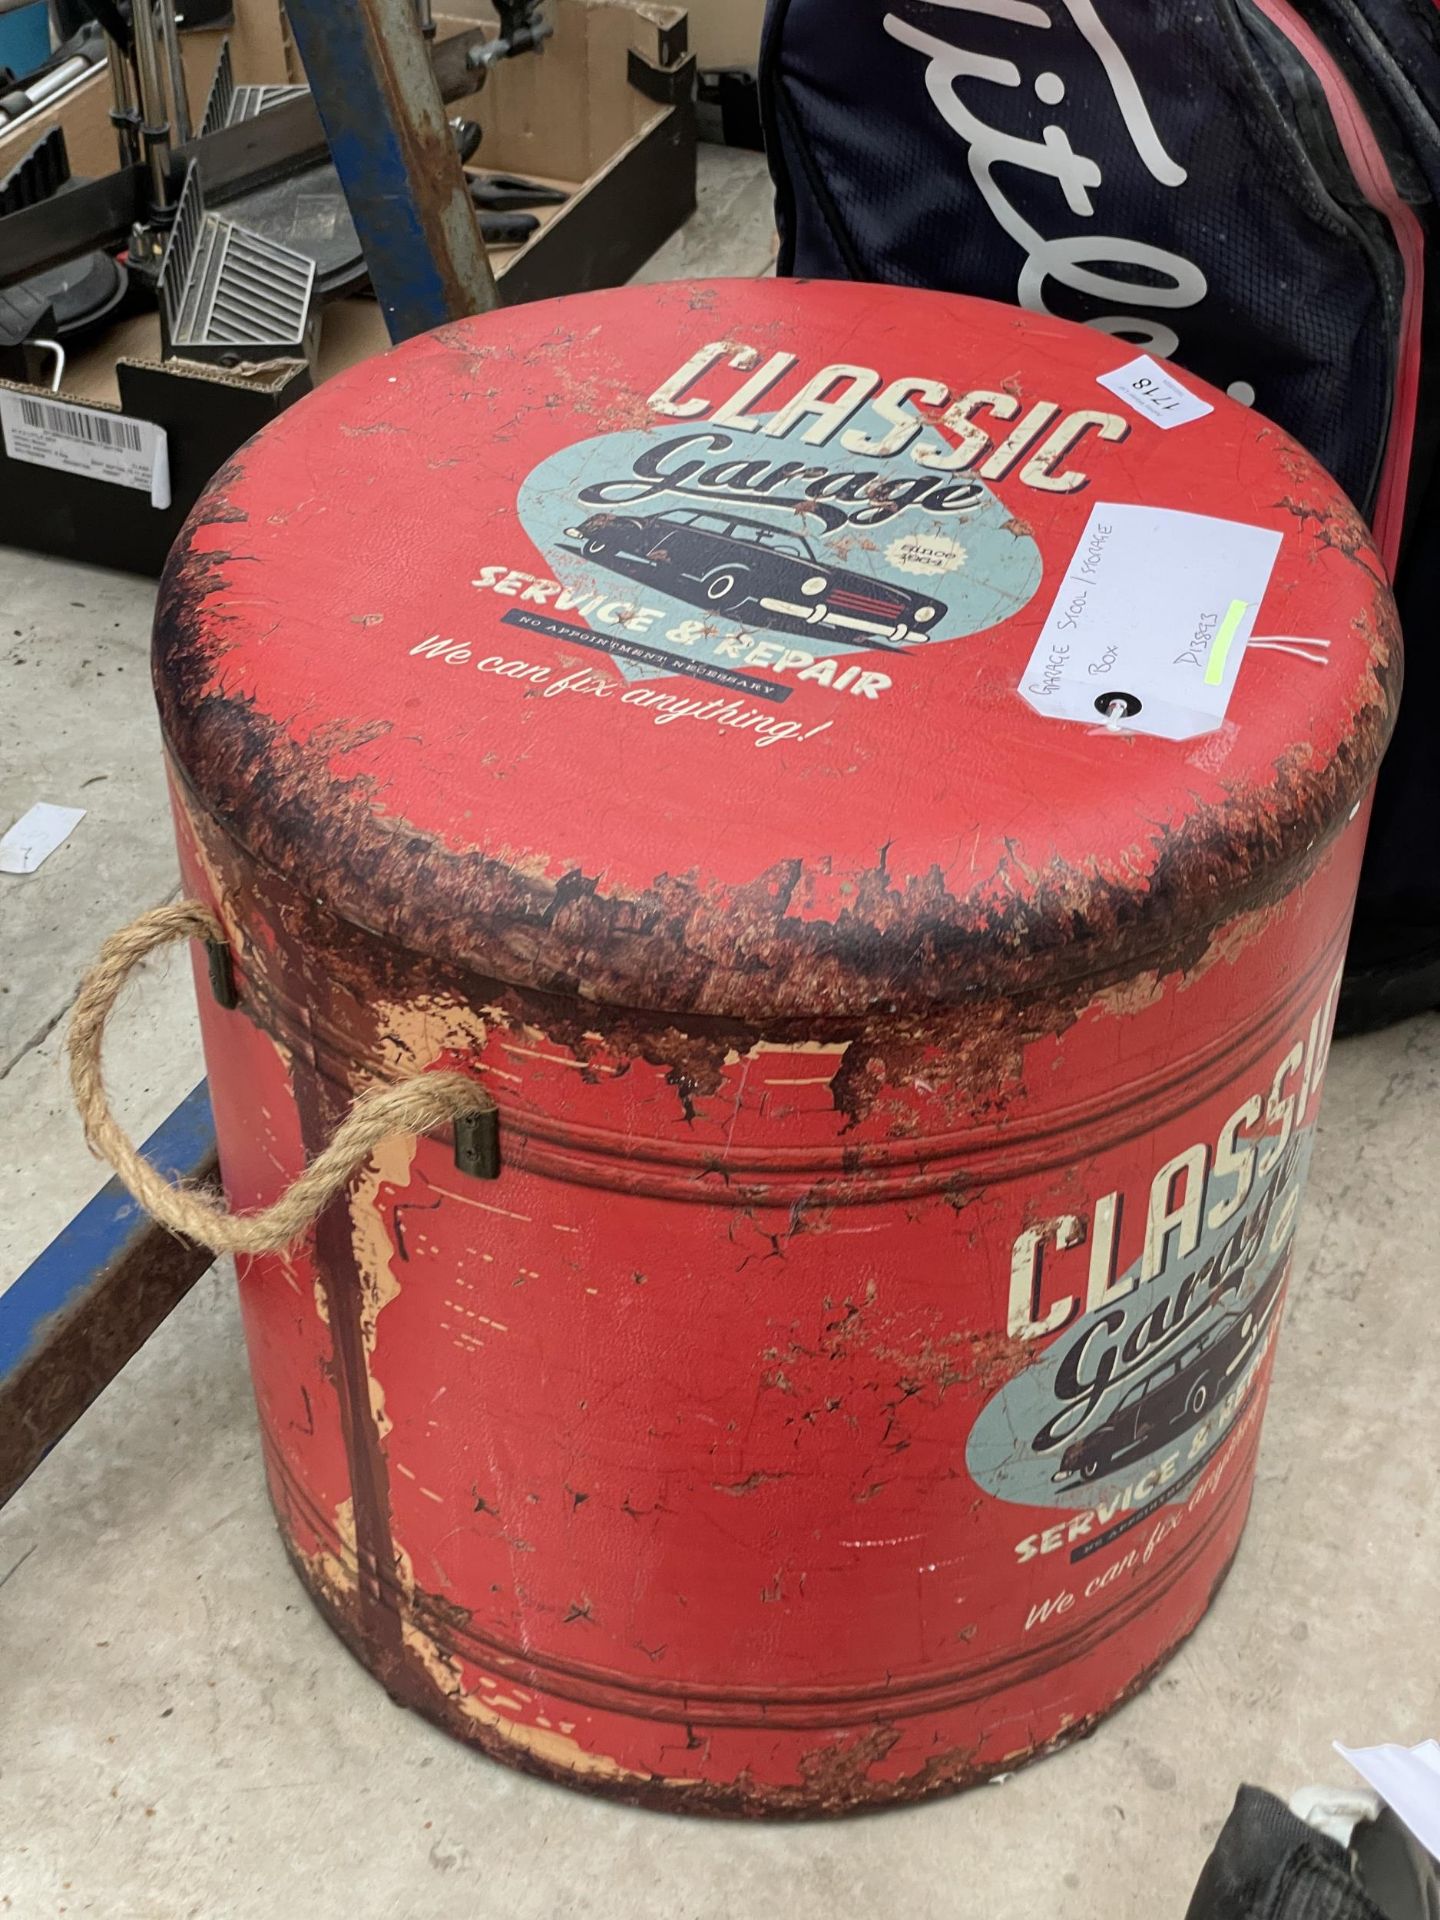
pixel 74 423
pixel 114 447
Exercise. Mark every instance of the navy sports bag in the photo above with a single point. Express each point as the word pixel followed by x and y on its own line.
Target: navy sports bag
pixel 1248 187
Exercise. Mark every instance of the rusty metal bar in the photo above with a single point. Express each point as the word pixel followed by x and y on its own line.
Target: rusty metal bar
pixel 93 1298
pixel 369 70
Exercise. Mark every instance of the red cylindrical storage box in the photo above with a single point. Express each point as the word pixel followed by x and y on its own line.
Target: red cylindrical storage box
pixel 872 784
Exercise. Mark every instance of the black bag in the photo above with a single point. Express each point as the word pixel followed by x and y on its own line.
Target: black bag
pixel 1248 187
pixel 1269 1864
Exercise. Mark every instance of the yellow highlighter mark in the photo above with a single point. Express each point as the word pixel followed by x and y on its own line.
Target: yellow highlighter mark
pixel 1222 643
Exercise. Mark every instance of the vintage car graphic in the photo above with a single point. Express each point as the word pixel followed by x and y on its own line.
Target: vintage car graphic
pixel 752 572
pixel 1178 1393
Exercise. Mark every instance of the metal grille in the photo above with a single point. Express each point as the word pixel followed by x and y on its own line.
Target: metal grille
pixel 225 291
pixel 222 93
pixel 228 104
pixel 180 249
pixel 250 101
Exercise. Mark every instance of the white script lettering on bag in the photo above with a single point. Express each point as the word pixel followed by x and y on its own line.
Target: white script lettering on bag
pixel 1070 260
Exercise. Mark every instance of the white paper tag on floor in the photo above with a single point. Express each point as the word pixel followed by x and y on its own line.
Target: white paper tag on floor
pixel 116 447
pixel 1407 1779
pixel 1154 391
pixel 1149 624
pixel 36 835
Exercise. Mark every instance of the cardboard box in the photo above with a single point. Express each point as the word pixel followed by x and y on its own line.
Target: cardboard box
pixel 605 110
pixel 726 37
pixel 726 33
pixel 723 33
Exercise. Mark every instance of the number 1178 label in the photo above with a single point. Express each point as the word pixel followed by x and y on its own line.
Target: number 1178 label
pixel 1153 390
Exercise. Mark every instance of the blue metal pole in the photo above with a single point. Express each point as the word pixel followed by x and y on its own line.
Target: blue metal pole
pixel 369 69
pixel 95 1295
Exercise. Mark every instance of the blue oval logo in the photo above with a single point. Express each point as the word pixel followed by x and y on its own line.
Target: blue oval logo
pixel 714 551
pixel 1132 1399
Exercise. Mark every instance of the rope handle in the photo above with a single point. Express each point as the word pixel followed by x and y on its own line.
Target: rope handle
pixel 416 1105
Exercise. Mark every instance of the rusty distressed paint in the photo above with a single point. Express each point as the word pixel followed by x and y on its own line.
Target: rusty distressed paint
pixel 701 1459
pixel 743 954
pixel 834 1778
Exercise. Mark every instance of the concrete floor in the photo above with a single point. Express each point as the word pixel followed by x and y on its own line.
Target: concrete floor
pixel 180 1735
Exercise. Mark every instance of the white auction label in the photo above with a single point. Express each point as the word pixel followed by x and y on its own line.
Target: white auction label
pixel 88 440
pixel 1149 624
pixel 1153 390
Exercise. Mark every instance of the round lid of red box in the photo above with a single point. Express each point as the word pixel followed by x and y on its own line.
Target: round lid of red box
pixel 753 647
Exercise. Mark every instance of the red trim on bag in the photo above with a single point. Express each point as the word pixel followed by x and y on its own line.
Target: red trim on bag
pixel 1373 177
